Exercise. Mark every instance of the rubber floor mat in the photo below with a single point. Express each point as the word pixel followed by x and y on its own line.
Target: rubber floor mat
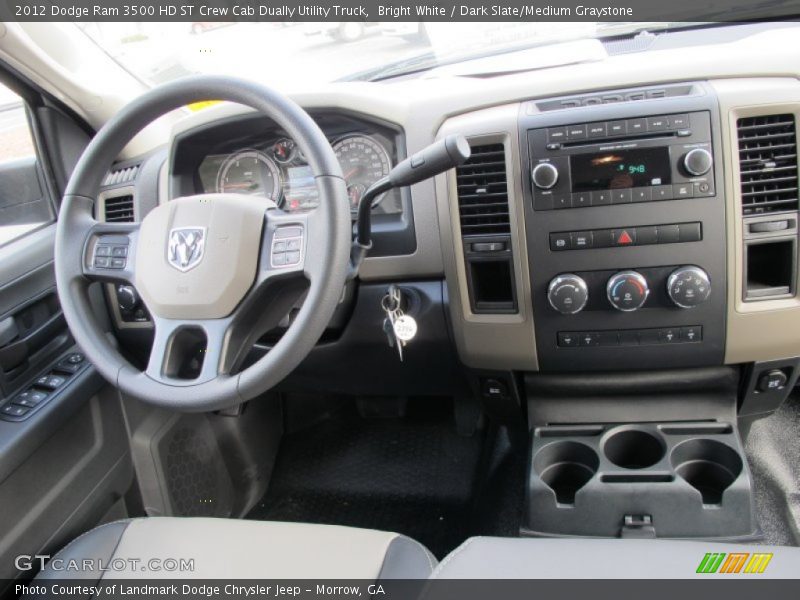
pixel 414 476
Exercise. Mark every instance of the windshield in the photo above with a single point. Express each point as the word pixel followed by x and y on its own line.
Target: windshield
pixel 285 54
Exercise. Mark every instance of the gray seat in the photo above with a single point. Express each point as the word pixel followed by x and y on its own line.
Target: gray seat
pixel 227 548
pixel 576 558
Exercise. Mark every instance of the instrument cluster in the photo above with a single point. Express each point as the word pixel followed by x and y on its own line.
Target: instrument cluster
pixel 276 168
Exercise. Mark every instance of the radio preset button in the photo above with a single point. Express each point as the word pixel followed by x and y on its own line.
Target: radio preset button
pixel 642 194
pixel 562 201
pixel 581 199
pixel 621 196
pixel 662 192
pixel 601 197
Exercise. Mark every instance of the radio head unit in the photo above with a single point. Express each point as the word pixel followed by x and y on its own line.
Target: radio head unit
pixel 666 157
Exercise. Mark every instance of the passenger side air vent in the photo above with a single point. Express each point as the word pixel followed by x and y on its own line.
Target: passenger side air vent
pixel 120 176
pixel 119 209
pixel 768 163
pixel 483 192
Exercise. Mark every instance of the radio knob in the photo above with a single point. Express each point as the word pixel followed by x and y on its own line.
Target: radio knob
pixel 688 286
pixel 627 291
pixel 568 294
pixel 698 161
pixel 544 176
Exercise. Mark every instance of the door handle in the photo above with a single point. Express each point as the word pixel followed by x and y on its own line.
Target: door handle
pixel 16 352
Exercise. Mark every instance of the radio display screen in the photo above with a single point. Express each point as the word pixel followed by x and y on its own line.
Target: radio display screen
pixel 619 169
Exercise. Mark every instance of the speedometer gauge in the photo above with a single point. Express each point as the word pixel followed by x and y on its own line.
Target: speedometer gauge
pixel 250 172
pixel 364 161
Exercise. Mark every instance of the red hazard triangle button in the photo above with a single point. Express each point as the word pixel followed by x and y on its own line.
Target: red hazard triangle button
pixel 624 239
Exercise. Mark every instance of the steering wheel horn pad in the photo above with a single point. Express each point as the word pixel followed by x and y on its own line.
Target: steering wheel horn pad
pixel 203 264
pixel 199 255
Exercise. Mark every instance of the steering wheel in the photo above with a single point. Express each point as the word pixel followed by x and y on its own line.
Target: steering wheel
pixel 215 271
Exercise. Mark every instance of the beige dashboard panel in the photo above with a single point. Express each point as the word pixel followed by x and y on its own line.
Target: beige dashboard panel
pixel 767 329
pixel 499 341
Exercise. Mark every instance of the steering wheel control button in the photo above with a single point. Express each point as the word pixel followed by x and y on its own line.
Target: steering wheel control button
pixel 627 291
pixel 287 245
pixel 102 251
pixel 772 381
pixel 102 262
pixel 688 286
pixel 568 294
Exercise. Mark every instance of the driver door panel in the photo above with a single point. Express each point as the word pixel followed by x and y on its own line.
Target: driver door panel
pixel 64 459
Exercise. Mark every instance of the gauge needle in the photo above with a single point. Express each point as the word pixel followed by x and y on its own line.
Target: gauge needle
pixel 351 172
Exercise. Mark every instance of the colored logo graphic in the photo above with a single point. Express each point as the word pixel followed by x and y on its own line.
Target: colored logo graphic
pixel 735 562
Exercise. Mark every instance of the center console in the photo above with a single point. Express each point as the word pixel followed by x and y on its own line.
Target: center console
pixel 626 226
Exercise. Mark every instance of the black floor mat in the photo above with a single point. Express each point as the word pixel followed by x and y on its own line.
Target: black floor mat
pixel 412 475
pixel 773 450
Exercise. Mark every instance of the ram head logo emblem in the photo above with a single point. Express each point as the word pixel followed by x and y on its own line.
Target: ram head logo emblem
pixel 186 247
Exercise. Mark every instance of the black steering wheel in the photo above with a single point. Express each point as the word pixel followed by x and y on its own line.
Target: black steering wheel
pixel 215 271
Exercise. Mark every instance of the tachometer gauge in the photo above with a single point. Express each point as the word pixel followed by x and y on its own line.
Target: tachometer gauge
pixel 284 150
pixel 250 172
pixel 364 161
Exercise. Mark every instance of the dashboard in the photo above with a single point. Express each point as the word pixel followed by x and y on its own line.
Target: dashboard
pixel 611 217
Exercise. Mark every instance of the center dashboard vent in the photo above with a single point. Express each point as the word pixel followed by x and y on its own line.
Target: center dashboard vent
pixel 119 209
pixel 768 163
pixel 483 192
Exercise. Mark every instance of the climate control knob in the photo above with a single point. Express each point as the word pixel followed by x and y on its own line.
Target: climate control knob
pixel 698 161
pixel 627 291
pixel 688 286
pixel 544 176
pixel 568 294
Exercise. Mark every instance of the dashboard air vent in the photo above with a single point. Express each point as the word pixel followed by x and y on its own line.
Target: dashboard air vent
pixel 120 176
pixel 483 191
pixel 119 209
pixel 768 163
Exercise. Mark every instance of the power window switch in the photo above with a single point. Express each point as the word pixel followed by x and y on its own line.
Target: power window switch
pixel 50 382
pixel 13 410
pixel 29 398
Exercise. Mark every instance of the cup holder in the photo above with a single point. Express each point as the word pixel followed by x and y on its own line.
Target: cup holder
pixel 566 467
pixel 708 466
pixel 634 448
